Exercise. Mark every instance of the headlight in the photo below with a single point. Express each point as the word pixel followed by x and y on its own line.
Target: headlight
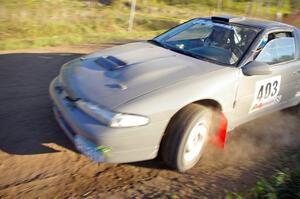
pixel 110 118
pixel 128 120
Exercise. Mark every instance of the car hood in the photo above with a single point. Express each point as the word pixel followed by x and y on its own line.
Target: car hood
pixel 116 75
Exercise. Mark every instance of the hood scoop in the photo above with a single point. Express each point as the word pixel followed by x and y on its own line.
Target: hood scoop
pixel 110 63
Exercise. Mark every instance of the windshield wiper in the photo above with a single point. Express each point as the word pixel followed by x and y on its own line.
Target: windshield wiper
pixel 175 49
pixel 185 52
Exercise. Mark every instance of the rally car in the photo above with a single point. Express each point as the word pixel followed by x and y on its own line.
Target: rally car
pixel 172 95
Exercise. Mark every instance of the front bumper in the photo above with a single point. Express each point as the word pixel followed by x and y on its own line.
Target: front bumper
pixel 126 144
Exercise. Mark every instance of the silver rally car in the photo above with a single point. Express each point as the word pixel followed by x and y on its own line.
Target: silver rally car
pixel 179 91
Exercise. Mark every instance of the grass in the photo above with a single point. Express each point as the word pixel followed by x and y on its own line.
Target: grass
pixel 37 23
pixel 75 38
pixel 27 24
pixel 284 184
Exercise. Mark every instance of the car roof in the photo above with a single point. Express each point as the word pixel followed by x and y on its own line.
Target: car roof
pixel 258 23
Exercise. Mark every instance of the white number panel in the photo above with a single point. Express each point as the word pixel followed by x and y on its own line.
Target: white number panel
pixel 266 93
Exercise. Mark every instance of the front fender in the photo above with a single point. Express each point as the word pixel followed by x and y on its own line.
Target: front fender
pixel 161 105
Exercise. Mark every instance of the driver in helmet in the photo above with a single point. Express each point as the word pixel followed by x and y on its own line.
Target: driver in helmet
pixel 216 38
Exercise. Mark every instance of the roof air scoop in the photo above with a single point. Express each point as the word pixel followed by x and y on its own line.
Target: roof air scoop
pixel 227 19
pixel 110 63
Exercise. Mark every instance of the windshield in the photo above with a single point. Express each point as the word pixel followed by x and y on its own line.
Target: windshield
pixel 205 39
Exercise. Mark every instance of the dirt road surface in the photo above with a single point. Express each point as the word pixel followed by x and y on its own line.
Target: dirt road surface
pixel 38 161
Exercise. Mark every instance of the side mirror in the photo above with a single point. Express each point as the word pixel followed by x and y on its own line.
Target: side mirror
pixel 256 68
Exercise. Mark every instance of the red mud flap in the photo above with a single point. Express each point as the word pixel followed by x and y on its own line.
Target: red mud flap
pixel 219 138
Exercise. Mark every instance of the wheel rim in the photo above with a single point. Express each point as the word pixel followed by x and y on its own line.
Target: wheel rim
pixel 195 142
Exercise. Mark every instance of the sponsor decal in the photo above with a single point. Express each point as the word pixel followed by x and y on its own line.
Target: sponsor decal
pixel 89 149
pixel 266 93
pixel 104 149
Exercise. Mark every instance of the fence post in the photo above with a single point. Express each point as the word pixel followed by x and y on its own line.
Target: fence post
pixel 132 13
pixel 219 5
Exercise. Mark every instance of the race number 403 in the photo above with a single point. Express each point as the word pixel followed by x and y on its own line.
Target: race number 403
pixel 266 93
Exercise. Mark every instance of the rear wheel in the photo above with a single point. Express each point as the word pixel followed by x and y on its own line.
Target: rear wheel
pixel 186 137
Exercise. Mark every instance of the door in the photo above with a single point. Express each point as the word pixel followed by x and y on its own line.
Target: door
pixel 261 94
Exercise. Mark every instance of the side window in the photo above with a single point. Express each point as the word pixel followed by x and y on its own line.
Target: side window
pixel 277 50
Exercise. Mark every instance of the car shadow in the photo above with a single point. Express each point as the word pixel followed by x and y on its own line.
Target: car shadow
pixel 156 163
pixel 26 120
pixel 27 124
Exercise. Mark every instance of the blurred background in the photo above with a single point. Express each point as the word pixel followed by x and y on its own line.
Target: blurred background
pixel 37 23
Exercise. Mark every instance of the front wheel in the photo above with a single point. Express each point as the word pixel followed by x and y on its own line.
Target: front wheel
pixel 186 137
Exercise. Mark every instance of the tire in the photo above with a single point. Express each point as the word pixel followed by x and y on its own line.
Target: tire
pixel 186 137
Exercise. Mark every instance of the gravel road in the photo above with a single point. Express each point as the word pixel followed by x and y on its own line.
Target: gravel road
pixel 38 161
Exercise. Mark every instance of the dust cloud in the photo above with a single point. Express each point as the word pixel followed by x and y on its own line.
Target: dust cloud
pixel 260 138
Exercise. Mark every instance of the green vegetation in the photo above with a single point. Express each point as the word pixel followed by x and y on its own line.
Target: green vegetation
pixel 47 23
pixel 36 23
pixel 284 184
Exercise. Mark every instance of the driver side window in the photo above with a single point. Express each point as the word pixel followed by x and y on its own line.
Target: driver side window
pixel 280 48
